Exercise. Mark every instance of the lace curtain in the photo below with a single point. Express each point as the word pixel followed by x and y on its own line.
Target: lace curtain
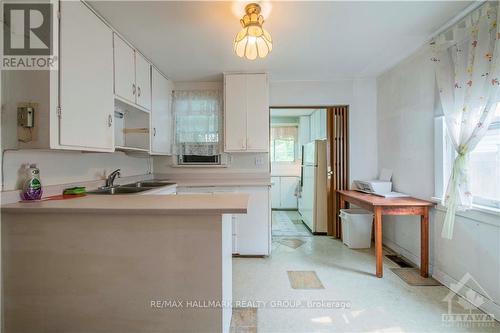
pixel 284 132
pixel 467 64
pixel 198 122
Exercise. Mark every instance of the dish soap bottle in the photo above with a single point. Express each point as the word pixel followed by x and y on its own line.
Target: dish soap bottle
pixel 32 189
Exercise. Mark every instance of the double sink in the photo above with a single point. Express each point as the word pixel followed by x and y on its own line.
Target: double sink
pixel 131 188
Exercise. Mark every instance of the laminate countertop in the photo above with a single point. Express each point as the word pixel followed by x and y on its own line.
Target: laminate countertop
pixel 189 204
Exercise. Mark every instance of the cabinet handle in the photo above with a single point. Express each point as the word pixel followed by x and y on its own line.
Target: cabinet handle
pixel 133 89
pixel 154 131
pixel 110 120
pixel 138 91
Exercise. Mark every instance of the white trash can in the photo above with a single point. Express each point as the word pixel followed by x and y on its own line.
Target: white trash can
pixel 356 228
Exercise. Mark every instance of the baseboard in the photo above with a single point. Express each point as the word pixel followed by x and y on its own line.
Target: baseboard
pixel 410 256
pixel 442 277
pixel 488 307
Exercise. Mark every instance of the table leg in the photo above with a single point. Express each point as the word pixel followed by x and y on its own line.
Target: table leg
pixel 424 244
pixel 378 241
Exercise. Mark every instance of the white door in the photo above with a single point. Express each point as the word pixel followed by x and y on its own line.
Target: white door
pixel 124 65
pixel 143 81
pixel 86 79
pixel 254 228
pixel 275 193
pixel 161 115
pixel 257 116
pixel 235 128
pixel 287 193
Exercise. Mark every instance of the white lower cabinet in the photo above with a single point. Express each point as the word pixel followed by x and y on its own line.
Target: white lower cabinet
pixel 252 231
pixel 275 193
pixel 283 192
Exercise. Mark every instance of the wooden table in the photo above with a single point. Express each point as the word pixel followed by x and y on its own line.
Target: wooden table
pixel 392 206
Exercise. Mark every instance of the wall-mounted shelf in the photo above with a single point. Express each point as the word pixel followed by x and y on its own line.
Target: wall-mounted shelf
pixel 123 101
pixel 122 148
pixel 132 127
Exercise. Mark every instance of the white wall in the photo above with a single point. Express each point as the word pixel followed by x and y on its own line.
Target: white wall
pixel 360 95
pixel 407 105
pixel 61 167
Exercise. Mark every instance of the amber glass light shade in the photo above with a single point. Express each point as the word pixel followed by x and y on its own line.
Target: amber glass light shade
pixel 252 41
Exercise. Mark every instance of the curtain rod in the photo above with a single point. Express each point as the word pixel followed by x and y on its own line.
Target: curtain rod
pixel 460 16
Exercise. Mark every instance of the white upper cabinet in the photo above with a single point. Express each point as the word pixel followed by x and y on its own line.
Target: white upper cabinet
pixel 246 110
pixel 235 114
pixel 257 113
pixel 161 114
pixel 86 80
pixel 124 70
pixel 132 74
pixel 143 81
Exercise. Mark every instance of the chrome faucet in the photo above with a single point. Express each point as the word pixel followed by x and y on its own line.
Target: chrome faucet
pixel 111 178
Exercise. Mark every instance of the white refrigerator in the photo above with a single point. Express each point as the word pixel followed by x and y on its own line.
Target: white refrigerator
pixel 312 207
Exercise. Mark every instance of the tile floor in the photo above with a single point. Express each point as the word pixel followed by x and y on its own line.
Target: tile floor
pixel 288 223
pixel 376 305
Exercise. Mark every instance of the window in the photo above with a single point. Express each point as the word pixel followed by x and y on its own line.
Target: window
pixel 484 164
pixel 284 144
pixel 484 167
pixel 198 122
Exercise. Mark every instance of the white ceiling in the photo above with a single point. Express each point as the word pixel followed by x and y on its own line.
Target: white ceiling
pixel 326 40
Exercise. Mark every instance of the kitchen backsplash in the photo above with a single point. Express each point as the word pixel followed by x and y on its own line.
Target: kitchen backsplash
pixel 61 167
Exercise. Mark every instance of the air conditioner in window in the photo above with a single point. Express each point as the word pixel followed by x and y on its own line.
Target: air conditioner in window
pixel 219 159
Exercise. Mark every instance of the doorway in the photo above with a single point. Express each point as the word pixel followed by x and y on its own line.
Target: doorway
pixel 309 162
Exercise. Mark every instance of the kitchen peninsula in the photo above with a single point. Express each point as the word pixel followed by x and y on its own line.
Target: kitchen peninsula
pixel 103 263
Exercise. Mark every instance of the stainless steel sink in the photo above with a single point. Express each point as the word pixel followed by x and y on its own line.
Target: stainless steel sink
pixel 132 188
pixel 119 190
pixel 149 183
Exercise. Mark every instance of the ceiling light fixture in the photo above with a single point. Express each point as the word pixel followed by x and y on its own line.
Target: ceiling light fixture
pixel 252 41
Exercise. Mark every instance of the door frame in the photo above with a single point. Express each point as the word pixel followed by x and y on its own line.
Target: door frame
pixel 334 183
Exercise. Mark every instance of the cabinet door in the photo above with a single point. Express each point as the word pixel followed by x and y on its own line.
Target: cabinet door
pixel 257 116
pixel 124 57
pixel 143 81
pixel 235 122
pixel 161 115
pixel 287 193
pixel 254 228
pixel 275 193
pixel 86 79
